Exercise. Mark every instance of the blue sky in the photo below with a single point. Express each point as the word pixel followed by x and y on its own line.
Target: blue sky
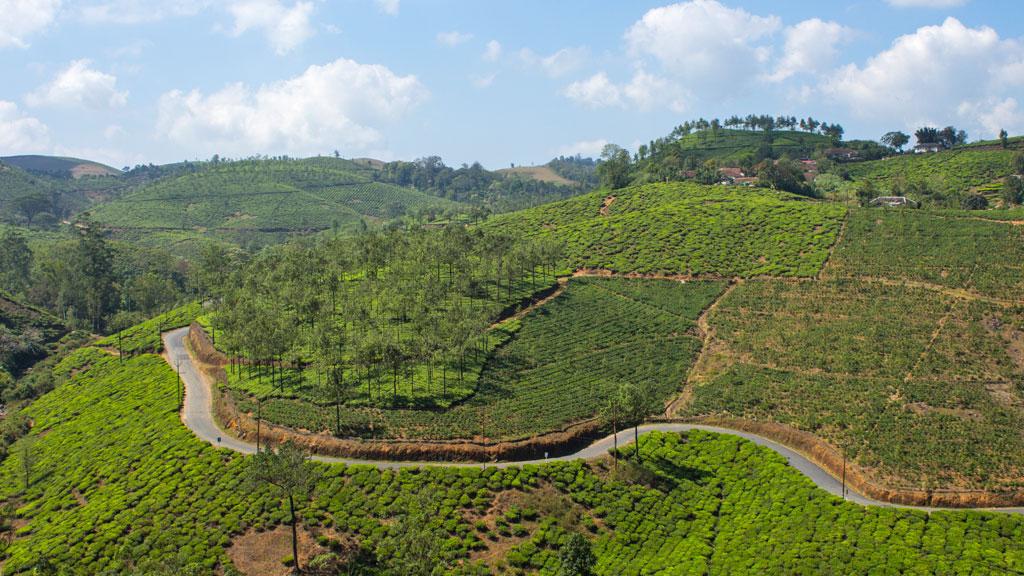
pixel 133 81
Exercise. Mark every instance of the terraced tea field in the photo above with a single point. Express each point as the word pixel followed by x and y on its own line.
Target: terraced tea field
pixel 921 388
pixel 686 229
pixel 951 249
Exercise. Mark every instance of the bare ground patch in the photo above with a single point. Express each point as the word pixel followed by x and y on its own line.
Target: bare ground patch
pixel 262 553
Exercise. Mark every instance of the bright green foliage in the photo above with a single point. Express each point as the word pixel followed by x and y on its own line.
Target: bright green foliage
pixel 119 482
pixel 392 318
pixel 267 196
pixel 949 249
pixel 565 360
pixel 686 229
pixel 910 382
pixel 145 337
pixel 730 146
pixel 951 173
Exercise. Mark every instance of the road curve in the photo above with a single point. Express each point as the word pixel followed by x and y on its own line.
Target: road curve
pixel 197 415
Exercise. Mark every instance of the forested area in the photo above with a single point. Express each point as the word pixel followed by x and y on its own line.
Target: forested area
pixel 375 313
pixel 493 191
pixel 90 282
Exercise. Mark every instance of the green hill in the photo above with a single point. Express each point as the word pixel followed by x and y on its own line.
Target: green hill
pixel 682 228
pixel 272 196
pixel 950 174
pixel 729 146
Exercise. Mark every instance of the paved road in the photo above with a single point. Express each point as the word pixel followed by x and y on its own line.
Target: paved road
pixel 197 415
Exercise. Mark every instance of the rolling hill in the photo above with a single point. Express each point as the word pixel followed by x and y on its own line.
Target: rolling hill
pixel 729 146
pixel 60 166
pixel 266 196
pixel 685 229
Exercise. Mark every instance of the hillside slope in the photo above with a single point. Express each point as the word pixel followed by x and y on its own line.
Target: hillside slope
pixel 266 195
pixel 25 332
pixel 952 172
pixel 730 146
pixel 60 166
pixel 686 229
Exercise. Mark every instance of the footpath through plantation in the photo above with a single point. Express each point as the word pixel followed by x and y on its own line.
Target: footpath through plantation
pixel 116 484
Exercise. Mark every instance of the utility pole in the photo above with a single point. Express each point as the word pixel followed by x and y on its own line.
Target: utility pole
pixel 844 476
pixel 178 387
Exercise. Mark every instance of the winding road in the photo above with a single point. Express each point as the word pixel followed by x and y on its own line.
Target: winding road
pixel 197 415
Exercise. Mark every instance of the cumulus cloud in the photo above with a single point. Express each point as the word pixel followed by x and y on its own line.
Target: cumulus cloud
pixel 704 44
pixel 933 76
pixel 20 133
pixel 811 47
pixel 285 27
pixel 80 85
pixel 493 51
pixel 138 11
pixel 453 38
pixel 335 105
pixel 389 7
pixel 23 18
pixel 926 3
pixel 591 148
pixel 644 91
pixel 557 64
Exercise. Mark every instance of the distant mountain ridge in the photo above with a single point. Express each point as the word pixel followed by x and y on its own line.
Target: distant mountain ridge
pixel 60 166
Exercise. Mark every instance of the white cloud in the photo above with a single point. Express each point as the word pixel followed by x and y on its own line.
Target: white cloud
pixel 285 28
pixel 493 51
pixel 594 92
pixel 933 76
pixel 79 85
pixel 453 38
pixel 389 7
pixel 706 46
pixel 138 11
pixel 644 91
pixel 591 148
pixel 20 133
pixel 994 115
pixel 331 106
pixel 484 81
pixel 926 3
pixel 558 64
pixel 22 18
pixel 811 47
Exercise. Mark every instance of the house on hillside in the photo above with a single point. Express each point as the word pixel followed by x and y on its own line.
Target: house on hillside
pixel 841 154
pixel 893 202
pixel 729 175
pixel 928 148
pixel 745 181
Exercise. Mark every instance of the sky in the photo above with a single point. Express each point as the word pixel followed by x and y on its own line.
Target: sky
pixel 127 82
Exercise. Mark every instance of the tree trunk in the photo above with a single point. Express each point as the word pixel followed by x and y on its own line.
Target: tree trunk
pixel 636 441
pixel 295 534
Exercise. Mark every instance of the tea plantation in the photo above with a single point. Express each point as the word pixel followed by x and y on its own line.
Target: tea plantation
pixel 950 172
pixel 687 229
pixel 954 249
pixel 118 486
pixel 563 361
pixel 919 387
